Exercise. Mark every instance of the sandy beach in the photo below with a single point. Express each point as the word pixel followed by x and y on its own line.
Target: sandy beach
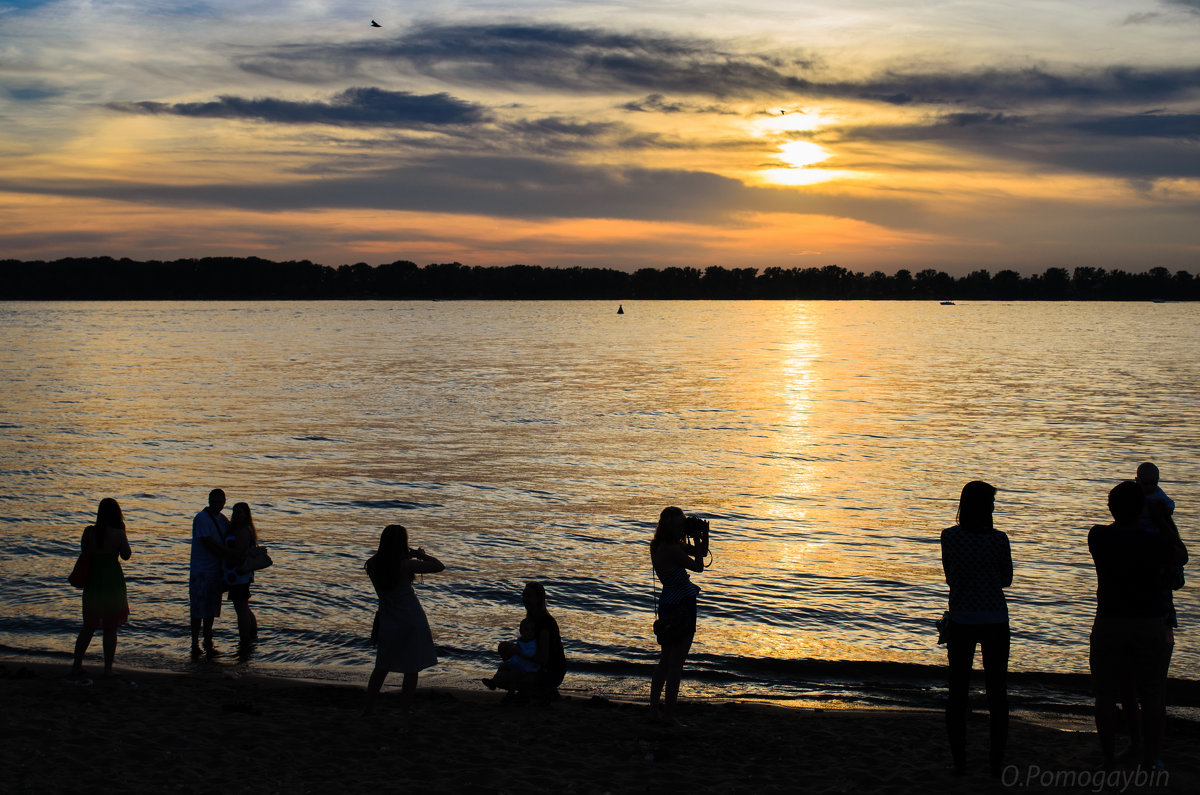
pixel 217 731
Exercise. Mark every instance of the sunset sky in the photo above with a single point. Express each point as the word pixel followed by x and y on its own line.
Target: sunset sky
pixel 748 133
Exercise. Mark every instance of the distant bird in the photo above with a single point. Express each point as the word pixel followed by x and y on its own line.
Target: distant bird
pixel 375 24
pixel 783 113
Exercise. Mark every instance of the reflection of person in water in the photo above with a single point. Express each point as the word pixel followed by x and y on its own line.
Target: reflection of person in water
pixel 672 557
pixel 548 655
pixel 405 644
pixel 977 561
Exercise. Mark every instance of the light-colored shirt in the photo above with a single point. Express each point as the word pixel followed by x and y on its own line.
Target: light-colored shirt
pixel 205 525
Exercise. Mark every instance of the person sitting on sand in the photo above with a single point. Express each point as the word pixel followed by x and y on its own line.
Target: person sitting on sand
pixel 1129 633
pixel 403 640
pixel 522 658
pixel 548 654
pixel 104 600
pixel 977 560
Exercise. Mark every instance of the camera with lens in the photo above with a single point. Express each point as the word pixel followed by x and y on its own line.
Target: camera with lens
pixel 696 530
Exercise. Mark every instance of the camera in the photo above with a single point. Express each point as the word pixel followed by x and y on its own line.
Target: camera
pixel 696 530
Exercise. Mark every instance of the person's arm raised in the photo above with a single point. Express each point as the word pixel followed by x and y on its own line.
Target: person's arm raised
pixel 421 563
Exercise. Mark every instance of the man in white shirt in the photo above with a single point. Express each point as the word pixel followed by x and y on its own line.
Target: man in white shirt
pixel 206 583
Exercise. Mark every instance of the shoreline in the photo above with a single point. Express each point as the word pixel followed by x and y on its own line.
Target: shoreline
pixel 218 730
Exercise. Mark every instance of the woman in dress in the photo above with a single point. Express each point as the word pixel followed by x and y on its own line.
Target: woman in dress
pixel 402 637
pixel 672 558
pixel 978 564
pixel 241 537
pixel 104 603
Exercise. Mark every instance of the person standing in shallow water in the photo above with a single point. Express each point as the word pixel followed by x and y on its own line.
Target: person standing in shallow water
pixel 402 637
pixel 105 606
pixel 205 581
pixel 672 558
pixel 977 561
pixel 241 537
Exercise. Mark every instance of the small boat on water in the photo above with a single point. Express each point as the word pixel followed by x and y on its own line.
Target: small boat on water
pixel 947 303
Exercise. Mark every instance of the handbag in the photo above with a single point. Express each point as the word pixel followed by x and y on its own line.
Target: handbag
pixel 943 628
pixel 256 558
pixel 83 568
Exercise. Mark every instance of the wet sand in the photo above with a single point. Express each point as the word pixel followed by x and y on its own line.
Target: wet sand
pixel 218 731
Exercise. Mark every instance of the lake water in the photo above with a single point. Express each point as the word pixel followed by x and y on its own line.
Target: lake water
pixel 825 441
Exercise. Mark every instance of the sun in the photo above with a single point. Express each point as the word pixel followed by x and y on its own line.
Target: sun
pixel 799 154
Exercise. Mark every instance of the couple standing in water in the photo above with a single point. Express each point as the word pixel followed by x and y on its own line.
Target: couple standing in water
pixel 219 546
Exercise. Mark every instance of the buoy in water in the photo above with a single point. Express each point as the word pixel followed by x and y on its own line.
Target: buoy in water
pixel 620 309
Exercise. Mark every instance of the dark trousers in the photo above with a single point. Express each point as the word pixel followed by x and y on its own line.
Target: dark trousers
pixel 993 640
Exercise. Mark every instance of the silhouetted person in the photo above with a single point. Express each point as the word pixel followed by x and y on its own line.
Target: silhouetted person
pixel 1157 516
pixel 404 643
pixel 548 660
pixel 104 601
pixel 977 561
pixel 206 582
pixel 1129 634
pixel 672 557
pixel 241 537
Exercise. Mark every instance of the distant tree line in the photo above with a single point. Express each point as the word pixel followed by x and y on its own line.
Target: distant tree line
pixel 105 278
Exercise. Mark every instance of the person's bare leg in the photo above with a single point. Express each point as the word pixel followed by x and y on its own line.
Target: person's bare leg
pixel 110 650
pixel 81 646
pixel 408 691
pixel 656 684
pixel 678 653
pixel 247 623
pixel 378 674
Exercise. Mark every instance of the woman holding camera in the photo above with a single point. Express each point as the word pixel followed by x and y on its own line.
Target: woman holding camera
pixel 401 632
pixel 672 557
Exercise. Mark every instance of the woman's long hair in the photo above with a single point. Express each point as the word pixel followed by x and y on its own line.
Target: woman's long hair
pixel 108 514
pixel 385 566
pixel 241 516
pixel 534 597
pixel 975 506
pixel 669 529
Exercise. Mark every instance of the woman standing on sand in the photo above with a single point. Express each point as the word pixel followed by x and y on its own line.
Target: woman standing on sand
pixel 405 644
pixel 104 601
pixel 672 558
pixel 978 564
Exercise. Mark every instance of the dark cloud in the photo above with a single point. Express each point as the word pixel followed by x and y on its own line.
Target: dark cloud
pixel 354 107
pixel 33 93
pixel 543 57
pixel 1190 5
pixel 997 88
pixel 1182 126
pixel 510 187
pixel 1096 145
pixel 580 60
pixel 657 103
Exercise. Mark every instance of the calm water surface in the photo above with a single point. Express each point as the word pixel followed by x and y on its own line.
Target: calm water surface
pixel 825 441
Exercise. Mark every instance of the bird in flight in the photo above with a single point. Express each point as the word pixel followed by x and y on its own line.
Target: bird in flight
pixel 375 24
